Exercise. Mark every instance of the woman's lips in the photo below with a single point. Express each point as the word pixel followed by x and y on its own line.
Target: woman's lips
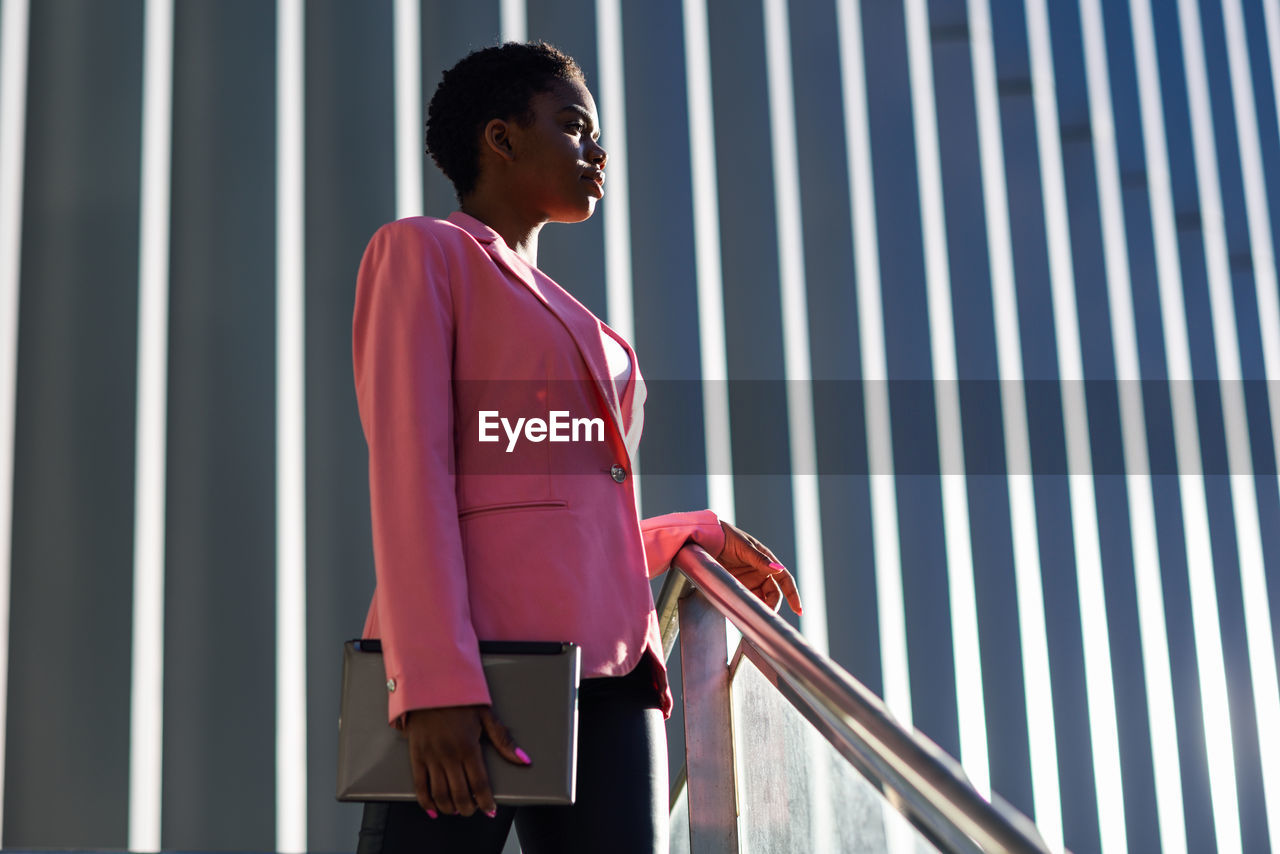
pixel 597 184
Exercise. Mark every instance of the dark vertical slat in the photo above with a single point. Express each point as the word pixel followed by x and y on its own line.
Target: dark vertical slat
pixel 1045 422
pixel 1208 404
pixel 1134 181
pixel 1227 148
pixel 663 264
pixel 1197 806
pixel 982 426
pixel 449 32
pixel 1186 201
pixel 1244 726
pixel 350 186
pixel 219 746
pixel 1152 357
pixel 662 244
pixel 1200 834
pixel 834 345
pixel 1127 665
pixel 1264 99
pixel 573 255
pixel 749 263
pixel 1269 133
pixel 907 344
pixel 72 554
pixel 1097 351
pixel 1249 783
pixel 664 281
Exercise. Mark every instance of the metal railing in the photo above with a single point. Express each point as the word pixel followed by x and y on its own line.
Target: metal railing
pixel 911 773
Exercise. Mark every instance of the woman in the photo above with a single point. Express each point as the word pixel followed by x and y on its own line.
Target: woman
pixel 456 331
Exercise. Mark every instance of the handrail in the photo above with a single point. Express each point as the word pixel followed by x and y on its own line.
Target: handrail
pixel 917 776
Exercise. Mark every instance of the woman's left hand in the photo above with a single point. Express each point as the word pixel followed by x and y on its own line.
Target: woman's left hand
pixel 751 562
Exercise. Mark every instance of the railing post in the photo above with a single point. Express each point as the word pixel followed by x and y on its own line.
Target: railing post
pixel 708 734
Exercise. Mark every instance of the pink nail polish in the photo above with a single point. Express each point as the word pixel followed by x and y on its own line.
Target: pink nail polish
pixel 524 757
pixel 433 814
pixel 491 813
pixel 776 565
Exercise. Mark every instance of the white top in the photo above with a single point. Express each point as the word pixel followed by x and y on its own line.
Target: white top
pixel 618 361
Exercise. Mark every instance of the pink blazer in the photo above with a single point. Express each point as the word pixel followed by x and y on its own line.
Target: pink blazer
pixel 471 541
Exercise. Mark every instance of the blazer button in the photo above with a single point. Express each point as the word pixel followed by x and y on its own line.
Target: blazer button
pixel 391 684
pixel 618 473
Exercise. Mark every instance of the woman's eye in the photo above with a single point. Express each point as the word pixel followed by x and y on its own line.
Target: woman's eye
pixel 576 127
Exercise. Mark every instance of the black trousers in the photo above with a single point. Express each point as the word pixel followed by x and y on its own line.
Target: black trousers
pixel 622 791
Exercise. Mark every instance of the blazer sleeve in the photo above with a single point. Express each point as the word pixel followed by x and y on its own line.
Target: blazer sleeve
pixel 403 335
pixel 665 535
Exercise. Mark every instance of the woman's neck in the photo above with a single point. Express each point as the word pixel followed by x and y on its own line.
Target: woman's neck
pixel 518 230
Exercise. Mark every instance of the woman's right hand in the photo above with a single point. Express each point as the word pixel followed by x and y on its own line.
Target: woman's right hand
pixel 444 751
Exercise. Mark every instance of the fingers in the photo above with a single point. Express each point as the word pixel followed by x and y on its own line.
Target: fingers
pixel 787 584
pixel 459 789
pixel 767 592
pixel 478 783
pixel 760 558
pixel 440 793
pixel 421 786
pixel 770 594
pixel 781 576
pixel 764 550
pixel 501 739
pixel 770 586
pixel 449 774
pixel 454 788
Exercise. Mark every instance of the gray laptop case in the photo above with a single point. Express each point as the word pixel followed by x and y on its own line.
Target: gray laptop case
pixel 534 689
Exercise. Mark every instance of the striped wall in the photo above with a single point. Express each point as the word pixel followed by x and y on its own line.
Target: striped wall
pixel 992 284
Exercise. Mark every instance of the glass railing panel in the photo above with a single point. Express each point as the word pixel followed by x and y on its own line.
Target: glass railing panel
pixel 680 823
pixel 795 792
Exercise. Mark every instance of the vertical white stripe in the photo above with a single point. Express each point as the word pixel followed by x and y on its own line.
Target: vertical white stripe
pixel 805 505
pixel 890 610
pixel 1142 522
pixel 13 115
pixel 795 324
pixel 1244 500
pixel 291 537
pixel 513 20
pixel 967 657
pixel 1253 582
pixel 706 244
pixel 617 215
pixel 1099 688
pixel 613 121
pixel 884 501
pixel 1033 636
pixel 410 132
pixel 146 736
pixel 1269 292
pixel 1203 587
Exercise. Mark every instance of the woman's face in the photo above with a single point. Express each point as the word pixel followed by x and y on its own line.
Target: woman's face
pixel 558 167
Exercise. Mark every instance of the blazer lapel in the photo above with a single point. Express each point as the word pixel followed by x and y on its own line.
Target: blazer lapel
pixel 635 384
pixel 633 396
pixel 581 324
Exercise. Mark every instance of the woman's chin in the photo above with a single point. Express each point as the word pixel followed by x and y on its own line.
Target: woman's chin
pixel 579 213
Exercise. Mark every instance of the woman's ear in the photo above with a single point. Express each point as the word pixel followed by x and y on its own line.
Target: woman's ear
pixel 497 138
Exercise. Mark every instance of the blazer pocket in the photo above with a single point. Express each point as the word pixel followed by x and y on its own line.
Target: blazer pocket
pixel 486 509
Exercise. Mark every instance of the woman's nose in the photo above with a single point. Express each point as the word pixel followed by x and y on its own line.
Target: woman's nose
pixel 597 155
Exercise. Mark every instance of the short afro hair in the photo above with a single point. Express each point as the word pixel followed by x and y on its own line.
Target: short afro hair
pixel 496 82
